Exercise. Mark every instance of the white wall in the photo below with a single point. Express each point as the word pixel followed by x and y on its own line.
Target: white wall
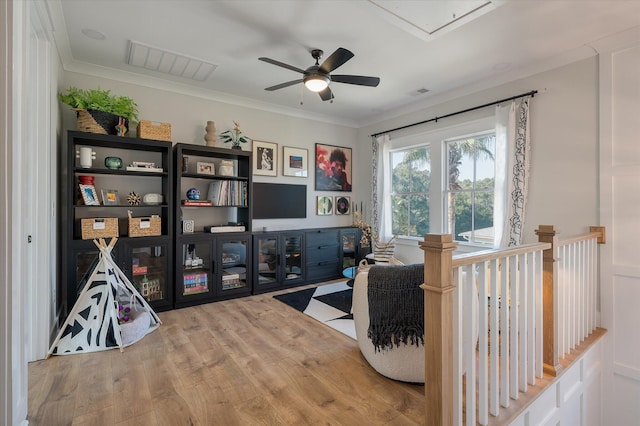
pixel 188 116
pixel 563 180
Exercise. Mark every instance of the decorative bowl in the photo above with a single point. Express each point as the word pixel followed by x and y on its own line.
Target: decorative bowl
pixel 113 163
pixel 152 199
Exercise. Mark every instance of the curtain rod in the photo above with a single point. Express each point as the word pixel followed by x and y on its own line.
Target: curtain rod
pixel 531 93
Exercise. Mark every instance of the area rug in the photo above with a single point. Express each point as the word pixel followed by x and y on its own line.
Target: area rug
pixel 330 304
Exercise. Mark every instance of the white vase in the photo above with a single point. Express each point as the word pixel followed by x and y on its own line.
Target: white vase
pixel 86 156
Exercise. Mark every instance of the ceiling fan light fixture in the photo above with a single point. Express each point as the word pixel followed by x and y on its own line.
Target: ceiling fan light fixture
pixel 316 83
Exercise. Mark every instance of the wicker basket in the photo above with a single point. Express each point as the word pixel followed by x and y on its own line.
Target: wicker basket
pixel 94 121
pixel 106 227
pixel 154 130
pixel 144 226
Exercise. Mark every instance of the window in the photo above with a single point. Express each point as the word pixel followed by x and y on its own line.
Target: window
pixel 410 182
pixel 470 187
pixel 444 182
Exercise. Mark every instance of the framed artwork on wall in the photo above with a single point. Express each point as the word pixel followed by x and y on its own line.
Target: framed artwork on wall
pixel 265 158
pixel 342 204
pixel 333 168
pixel 295 161
pixel 324 205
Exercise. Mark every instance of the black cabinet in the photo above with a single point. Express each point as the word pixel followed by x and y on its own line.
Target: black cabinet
pixel 351 252
pixel 322 254
pixel 212 268
pixel 115 170
pixel 213 240
pixel 279 260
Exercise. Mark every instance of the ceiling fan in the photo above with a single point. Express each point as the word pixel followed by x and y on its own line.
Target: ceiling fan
pixel 317 77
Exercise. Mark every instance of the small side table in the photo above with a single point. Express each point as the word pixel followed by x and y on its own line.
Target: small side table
pixel 350 273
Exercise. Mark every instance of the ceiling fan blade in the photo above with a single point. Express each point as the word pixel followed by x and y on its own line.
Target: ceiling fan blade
pixel 281 64
pixel 283 85
pixel 326 94
pixel 356 79
pixel 337 58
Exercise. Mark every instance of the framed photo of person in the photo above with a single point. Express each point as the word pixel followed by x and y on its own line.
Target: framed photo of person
pixel 295 161
pixel 206 168
pixel 265 158
pixel 333 168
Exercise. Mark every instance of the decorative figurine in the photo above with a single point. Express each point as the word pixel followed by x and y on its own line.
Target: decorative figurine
pixel 133 199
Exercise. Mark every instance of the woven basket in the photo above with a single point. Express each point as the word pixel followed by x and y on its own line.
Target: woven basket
pixel 93 121
pixel 99 228
pixel 144 226
pixel 154 130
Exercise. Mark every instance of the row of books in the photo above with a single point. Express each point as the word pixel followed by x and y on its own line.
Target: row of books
pixel 194 284
pixel 228 193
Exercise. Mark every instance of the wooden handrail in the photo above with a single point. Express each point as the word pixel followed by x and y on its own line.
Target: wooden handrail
pixel 491 254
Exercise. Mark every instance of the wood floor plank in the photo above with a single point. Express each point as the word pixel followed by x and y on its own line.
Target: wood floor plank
pixel 247 361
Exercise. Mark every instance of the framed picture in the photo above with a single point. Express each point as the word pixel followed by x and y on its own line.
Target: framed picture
pixel 324 205
pixel 110 197
pixel 89 195
pixel 265 158
pixel 333 168
pixel 295 161
pixel 343 204
pixel 206 168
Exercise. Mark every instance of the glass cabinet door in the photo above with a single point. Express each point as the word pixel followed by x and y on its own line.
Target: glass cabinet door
pixel 349 248
pixel 267 252
pixel 83 264
pixel 197 273
pixel 292 257
pixel 149 272
pixel 234 260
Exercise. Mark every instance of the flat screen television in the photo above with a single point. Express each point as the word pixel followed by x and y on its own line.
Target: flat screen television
pixel 279 201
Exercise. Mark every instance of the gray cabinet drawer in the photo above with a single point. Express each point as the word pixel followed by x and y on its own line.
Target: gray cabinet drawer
pixel 319 271
pixel 322 254
pixel 321 237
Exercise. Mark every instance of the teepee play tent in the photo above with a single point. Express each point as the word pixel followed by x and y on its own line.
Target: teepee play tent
pixel 109 312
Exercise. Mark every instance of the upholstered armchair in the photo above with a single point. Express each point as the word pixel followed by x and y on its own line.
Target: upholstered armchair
pixel 388 311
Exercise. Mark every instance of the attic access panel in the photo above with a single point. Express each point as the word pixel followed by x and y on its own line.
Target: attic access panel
pixel 428 19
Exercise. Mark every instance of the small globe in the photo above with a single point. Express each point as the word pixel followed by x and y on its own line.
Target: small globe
pixel 193 194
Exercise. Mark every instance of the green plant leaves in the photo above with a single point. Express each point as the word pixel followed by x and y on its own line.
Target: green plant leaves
pixel 100 100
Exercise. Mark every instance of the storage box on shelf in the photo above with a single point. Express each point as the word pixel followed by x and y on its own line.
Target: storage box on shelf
pixel 212 244
pixel 144 226
pixel 106 227
pixel 154 130
pixel 101 162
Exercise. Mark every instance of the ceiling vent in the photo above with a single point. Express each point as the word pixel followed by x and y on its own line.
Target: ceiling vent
pixel 164 61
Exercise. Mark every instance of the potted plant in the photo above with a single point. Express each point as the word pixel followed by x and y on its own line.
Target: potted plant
pixel 234 136
pixel 100 112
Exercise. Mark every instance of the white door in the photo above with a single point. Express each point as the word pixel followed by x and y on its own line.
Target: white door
pixel 620 213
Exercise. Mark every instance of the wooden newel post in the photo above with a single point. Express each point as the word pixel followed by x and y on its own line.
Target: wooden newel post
pixel 548 234
pixel 438 328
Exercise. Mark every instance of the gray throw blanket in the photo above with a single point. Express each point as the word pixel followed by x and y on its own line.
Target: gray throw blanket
pixel 396 305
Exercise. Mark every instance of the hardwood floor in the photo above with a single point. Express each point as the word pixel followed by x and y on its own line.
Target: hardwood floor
pixel 248 361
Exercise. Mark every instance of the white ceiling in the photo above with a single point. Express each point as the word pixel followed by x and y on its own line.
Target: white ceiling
pixel 410 45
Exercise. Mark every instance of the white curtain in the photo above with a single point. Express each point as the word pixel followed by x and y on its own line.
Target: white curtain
pixel 380 185
pixel 512 172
